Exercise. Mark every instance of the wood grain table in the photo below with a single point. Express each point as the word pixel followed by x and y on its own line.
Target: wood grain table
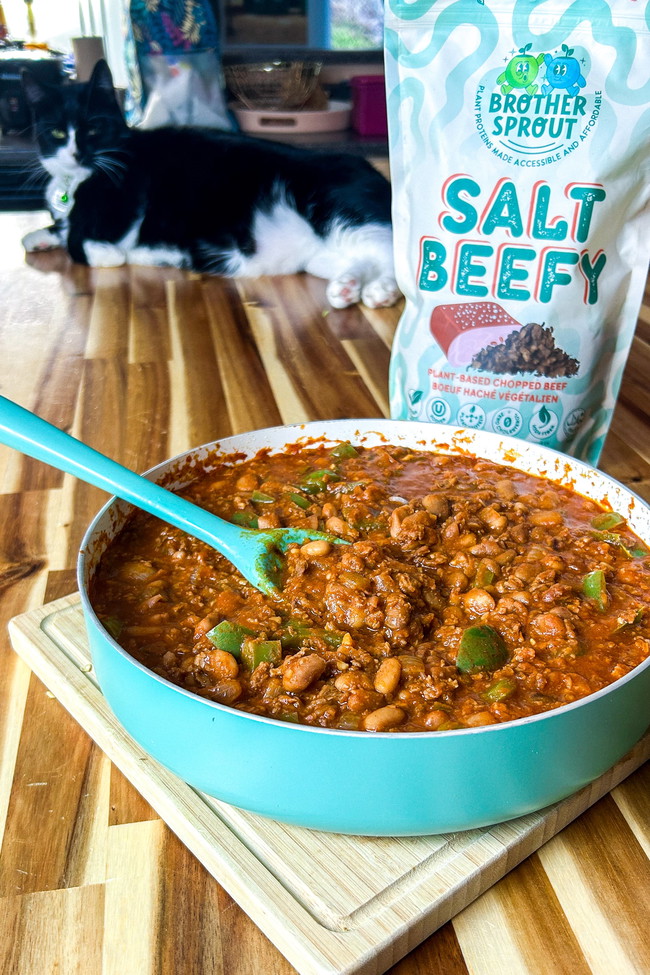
pixel 143 363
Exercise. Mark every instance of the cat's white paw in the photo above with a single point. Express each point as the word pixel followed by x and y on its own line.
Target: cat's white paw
pixel 41 240
pixel 380 293
pixel 344 291
pixel 100 254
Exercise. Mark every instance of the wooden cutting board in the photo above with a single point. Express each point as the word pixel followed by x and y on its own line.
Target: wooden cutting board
pixel 333 905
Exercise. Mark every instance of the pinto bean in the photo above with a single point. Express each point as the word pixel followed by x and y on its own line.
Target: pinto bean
pixel 247 481
pixel 519 534
pixel 354 580
pixel 220 664
pixel 548 626
pixel 372 632
pixel 433 719
pixel 467 540
pixel 493 519
pixel 337 526
pixel 383 719
pixel 506 557
pixel 461 560
pixel 487 547
pixel 478 601
pixel 138 570
pixel 316 548
pixel 361 700
pixel 388 676
pixel 546 519
pixel 352 680
pixel 479 719
pixel 506 490
pixel 411 664
pixel 526 572
pixel 436 505
pixel 450 531
pixel 456 579
pixel 300 672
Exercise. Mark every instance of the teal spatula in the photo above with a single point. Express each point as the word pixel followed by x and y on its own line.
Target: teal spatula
pixel 255 553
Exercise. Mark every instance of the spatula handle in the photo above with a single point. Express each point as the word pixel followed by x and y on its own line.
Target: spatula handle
pixel 30 434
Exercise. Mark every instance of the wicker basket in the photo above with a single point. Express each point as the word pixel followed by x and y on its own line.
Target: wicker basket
pixel 275 85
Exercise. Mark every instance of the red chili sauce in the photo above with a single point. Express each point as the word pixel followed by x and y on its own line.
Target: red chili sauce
pixel 469 593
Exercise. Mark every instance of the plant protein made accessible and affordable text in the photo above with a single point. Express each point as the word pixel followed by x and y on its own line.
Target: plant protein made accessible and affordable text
pixel 519 145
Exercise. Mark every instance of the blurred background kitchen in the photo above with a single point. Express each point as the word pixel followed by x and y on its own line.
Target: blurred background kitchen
pixel 179 63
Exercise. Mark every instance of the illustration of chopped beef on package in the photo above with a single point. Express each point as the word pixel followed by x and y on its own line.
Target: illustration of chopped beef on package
pixel 462 330
pixel 530 349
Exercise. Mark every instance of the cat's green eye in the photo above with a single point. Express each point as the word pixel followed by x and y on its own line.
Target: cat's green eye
pixel 92 131
pixel 58 133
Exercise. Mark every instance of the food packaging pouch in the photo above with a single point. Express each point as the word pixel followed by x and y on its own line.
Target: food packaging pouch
pixel 518 138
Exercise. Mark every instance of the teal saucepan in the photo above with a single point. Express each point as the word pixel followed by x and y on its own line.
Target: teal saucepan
pixel 355 782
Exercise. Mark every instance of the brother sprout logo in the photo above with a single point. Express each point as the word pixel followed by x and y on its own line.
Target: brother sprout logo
pixel 540 108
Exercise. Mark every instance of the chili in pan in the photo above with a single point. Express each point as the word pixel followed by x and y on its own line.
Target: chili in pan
pixel 469 593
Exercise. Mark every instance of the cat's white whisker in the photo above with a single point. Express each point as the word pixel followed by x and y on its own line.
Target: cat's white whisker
pixel 114 169
pixel 36 174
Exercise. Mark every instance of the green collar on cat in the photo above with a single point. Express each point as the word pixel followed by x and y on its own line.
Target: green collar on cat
pixel 62 199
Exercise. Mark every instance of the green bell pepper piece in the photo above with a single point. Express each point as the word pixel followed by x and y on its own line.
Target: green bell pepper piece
pixel 261 497
pixel 613 539
pixel 246 519
pixel 295 632
pixel 343 450
pixel 301 501
pixel 316 481
pixel 113 625
pixel 594 587
pixel 607 520
pixel 256 652
pixel 481 648
pixel 500 690
pixel 484 577
pixel 229 636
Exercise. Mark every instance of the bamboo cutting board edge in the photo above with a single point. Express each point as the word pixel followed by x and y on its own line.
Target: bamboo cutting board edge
pixel 369 939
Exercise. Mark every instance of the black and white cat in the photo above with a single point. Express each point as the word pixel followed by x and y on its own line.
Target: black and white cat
pixel 214 201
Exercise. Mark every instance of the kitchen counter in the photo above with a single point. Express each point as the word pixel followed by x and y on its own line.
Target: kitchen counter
pixel 142 363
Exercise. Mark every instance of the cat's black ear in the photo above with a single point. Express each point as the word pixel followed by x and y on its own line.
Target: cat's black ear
pixel 101 77
pixel 34 91
pixel 101 92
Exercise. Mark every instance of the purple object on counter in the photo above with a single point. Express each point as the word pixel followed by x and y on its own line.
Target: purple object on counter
pixel 369 104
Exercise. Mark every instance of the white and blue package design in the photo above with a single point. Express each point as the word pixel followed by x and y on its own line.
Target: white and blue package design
pixel 519 138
